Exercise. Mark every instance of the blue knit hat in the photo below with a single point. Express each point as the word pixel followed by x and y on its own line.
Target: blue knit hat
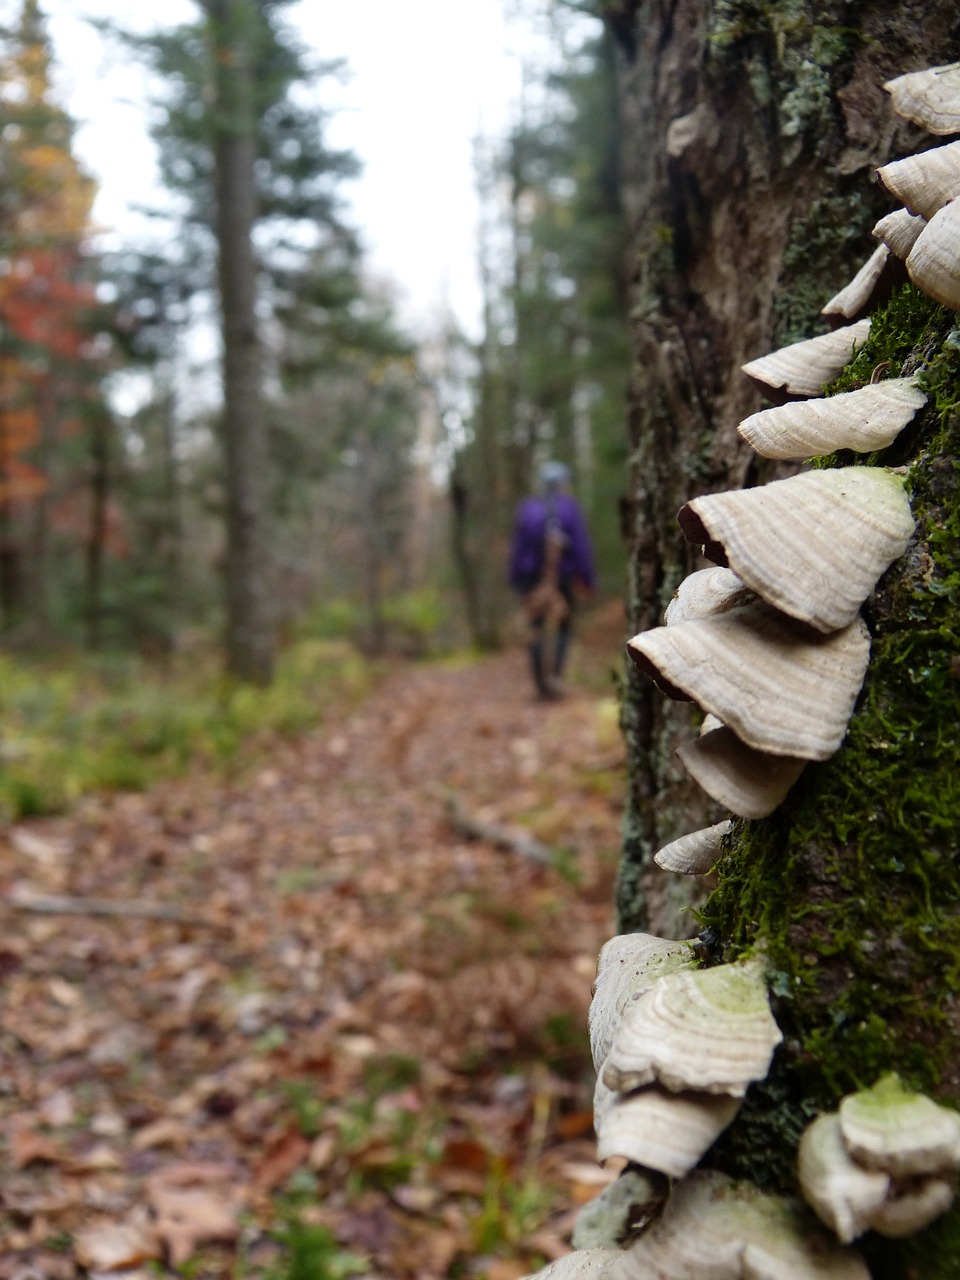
pixel 553 475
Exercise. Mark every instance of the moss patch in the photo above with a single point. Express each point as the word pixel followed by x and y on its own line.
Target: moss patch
pixel 853 885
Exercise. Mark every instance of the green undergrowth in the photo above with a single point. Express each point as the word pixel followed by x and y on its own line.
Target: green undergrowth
pixel 852 887
pixel 76 725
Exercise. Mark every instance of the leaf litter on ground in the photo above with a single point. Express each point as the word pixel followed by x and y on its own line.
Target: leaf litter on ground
pixel 375 1063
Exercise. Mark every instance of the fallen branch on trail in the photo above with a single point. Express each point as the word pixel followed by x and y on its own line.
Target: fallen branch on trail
pixel 509 838
pixel 56 904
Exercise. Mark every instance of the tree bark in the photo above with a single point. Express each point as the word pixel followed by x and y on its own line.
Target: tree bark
pixel 750 142
pixel 249 612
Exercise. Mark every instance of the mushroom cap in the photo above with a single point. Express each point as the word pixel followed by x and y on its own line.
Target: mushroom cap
pixel 843 1195
pixel 813 545
pixel 622 1210
pixel 802 368
pixel 669 1132
pixel 707 1030
pixel 864 420
pixel 899 231
pixel 781 687
pixel 912 1208
pixel 716 1229
pixel 929 98
pixel 855 298
pixel 926 181
pixel 704 592
pixel 628 965
pixel 696 853
pixel 748 782
pixel 899 1132
pixel 934 261
pixel 581 1264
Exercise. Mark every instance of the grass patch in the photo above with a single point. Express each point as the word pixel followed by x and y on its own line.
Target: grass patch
pixel 68 727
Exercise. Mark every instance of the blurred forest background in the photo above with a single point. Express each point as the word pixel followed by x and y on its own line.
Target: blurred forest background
pixel 328 478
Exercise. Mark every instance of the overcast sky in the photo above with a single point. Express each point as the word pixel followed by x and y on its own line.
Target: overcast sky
pixel 425 77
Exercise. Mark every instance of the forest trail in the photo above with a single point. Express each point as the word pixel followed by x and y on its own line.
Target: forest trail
pixel 364 1038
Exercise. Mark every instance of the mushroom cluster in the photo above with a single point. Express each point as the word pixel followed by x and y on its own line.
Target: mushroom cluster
pixel 886 1162
pixel 714 1228
pixel 770 644
pixel 675 1048
pixel 926 231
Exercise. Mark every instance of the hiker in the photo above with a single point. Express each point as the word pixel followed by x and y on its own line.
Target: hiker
pixel 550 558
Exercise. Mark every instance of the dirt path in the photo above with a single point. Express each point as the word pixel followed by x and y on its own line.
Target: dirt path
pixel 376 1027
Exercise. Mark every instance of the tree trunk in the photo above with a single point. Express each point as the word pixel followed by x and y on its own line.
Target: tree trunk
pixel 249 620
pixel 97 537
pixel 750 142
pixel 747 171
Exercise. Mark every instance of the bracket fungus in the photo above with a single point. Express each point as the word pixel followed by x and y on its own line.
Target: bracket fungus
pixel 748 782
pixel 902 1133
pixel 659 1129
pixel 899 231
pixel 864 420
pixel 706 1030
pixel 813 545
pixel 582 1264
pixel 929 98
pixel 704 592
pixel 715 1229
pixel 696 853
pixel 801 369
pixel 628 965
pixel 871 283
pixel 781 687
pixel 924 182
pixel 885 1163
pixel 934 261
pixel 622 1210
pixel 844 1195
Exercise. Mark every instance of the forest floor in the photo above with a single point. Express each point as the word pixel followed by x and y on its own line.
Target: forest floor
pixel 358 1044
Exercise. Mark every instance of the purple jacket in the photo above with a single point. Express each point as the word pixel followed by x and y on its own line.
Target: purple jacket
pixel 526 554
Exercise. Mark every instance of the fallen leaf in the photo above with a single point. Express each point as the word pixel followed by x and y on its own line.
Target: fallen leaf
pixel 281 1158
pixel 186 1217
pixel 112 1246
pixel 26 1146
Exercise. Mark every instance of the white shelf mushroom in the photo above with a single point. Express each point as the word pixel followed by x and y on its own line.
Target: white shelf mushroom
pixel 865 420
pixel 934 261
pixel 782 688
pixel 854 299
pixel 929 98
pixel 844 1195
pixel 902 1133
pixel 628 965
pixel 716 1229
pixel 694 854
pixel 660 1129
pixel 706 1030
pixel 582 1264
pixel 802 368
pixel 899 231
pixel 704 592
pixel 925 182
pixel 748 782
pixel 885 1163
pixel 813 545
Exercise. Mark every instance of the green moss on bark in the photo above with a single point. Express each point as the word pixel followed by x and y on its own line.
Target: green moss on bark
pixel 853 886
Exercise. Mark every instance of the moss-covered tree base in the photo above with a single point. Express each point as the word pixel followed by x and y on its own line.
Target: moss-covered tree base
pixel 852 887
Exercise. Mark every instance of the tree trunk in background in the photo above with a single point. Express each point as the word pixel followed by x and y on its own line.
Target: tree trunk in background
pixel 249 612
pixel 97 537
pixel 751 133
